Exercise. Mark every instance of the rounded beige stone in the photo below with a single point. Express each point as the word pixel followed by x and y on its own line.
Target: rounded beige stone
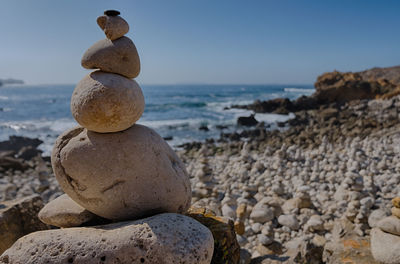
pixel 161 239
pixel 123 175
pixel 117 56
pixel 106 102
pixel 113 26
pixel 64 212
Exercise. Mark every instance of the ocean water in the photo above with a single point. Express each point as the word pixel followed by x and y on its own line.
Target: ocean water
pixel 175 111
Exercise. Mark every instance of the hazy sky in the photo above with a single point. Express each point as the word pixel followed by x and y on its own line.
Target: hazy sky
pixel 203 41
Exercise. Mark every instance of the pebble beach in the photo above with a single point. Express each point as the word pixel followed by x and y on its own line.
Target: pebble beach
pixel 283 189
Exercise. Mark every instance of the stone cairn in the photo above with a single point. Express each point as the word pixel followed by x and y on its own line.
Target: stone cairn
pixel 385 236
pixel 116 173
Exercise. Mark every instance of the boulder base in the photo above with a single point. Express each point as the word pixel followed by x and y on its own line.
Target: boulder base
pixel 161 239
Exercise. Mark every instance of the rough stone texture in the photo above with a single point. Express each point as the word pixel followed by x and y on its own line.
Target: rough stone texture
pixel 106 102
pixel 117 56
pixel 18 218
pixel 123 175
pixel 64 212
pixel 396 202
pixel 226 247
pixel 385 247
pixel 289 221
pixel 390 225
pixel 343 87
pixel 113 26
pixel 396 211
pixel 346 246
pixel 161 239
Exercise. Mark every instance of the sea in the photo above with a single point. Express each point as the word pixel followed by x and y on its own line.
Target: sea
pixel 176 112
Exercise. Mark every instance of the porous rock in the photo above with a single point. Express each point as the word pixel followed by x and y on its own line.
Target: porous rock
pixel 106 102
pixel 161 239
pixel 113 26
pixel 123 175
pixel 117 56
pixel 64 212
pixel 385 247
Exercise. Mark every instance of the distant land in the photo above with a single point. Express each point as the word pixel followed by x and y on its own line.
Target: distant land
pixel 10 81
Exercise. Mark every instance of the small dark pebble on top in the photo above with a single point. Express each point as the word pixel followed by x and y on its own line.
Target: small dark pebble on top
pixel 111 13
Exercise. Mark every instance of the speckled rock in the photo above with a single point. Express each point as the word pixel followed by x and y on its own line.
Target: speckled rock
pixel 117 56
pixel 161 239
pixel 123 175
pixel 385 247
pixel 64 212
pixel 106 102
pixel 113 26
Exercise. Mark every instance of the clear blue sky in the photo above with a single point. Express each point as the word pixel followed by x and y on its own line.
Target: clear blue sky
pixel 204 41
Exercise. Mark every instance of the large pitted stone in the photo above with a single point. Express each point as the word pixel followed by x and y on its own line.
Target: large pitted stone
pixel 106 102
pixel 113 26
pixel 117 56
pixel 18 218
pixel 64 212
pixel 385 247
pixel 161 239
pixel 122 175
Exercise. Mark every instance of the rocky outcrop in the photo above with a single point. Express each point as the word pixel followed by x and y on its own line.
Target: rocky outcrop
pixel 336 88
pixel 16 151
pixel 18 218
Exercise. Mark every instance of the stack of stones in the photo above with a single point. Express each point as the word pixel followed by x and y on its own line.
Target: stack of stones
pixel 385 237
pixel 117 173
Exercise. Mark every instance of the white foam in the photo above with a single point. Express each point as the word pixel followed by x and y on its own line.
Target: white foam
pixel 3 97
pixel 299 90
pixel 155 124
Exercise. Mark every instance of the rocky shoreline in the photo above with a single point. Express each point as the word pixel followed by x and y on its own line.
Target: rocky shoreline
pixel 308 194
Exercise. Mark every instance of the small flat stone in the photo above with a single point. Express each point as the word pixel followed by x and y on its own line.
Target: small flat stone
pixel 163 238
pixel 64 212
pixel 112 13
